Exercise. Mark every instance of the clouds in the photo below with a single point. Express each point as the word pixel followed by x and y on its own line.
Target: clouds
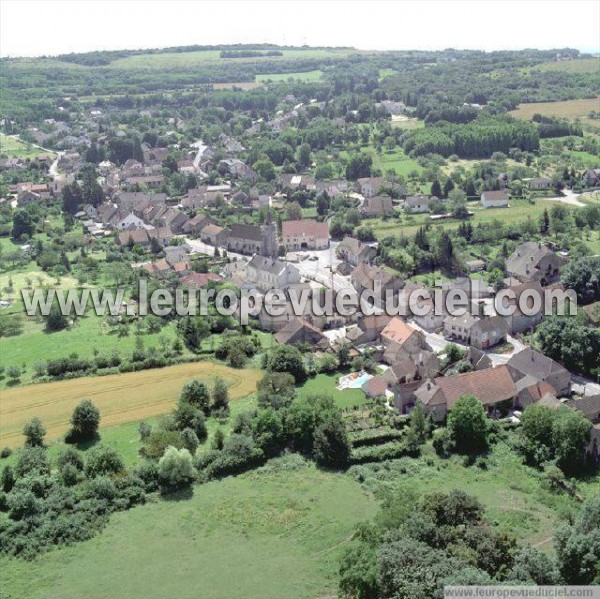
pixel 33 28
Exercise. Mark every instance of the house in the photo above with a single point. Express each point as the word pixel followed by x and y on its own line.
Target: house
pixel 149 181
pixel 234 167
pixel 475 265
pixel 300 331
pixel 134 201
pixel 541 368
pixel 377 386
pixel 534 261
pixel 419 203
pixel 368 329
pixel 214 235
pixel 531 391
pixel 195 225
pixel 144 237
pixel 481 333
pixel 592 312
pixel 305 234
pixel 518 321
pixel 253 239
pixel 355 252
pixel 399 332
pixel 376 206
pixel 266 273
pixel 297 182
pixel 367 278
pixel 197 280
pixel 129 221
pixel 540 183
pixel 494 199
pixel 591 177
pixel 370 186
pixel 492 387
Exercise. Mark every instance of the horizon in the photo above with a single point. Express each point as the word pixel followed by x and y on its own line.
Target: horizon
pixel 163 24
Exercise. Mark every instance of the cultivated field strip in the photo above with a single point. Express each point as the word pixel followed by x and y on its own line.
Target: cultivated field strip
pixel 121 398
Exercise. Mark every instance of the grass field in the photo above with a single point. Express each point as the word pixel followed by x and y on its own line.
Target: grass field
pixel 15 148
pixel 515 495
pixel 518 211
pixel 582 65
pixel 316 75
pixel 569 109
pixel 276 533
pixel 191 59
pixel 121 398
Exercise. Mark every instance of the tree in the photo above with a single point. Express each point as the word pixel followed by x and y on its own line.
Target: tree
pixel 418 425
pixel 286 358
pixel 276 390
pixel 468 425
pixel 343 355
pixel 175 469
pixel 220 396
pixel 34 432
pixel 265 169
pixel 193 331
pixel 436 189
pixel 7 480
pixel 536 429
pixel 56 320
pixel 23 224
pixel 571 434
pixel 187 415
pixel 190 440
pixel 577 545
pixel 331 447
pixel 583 275
pixel 84 423
pixel 545 222
pixel 32 461
pixel 303 155
pixel 359 166
pixel 196 393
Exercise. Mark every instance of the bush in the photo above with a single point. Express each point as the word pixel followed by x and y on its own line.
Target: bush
pixel 7 479
pixel 5 453
pixel 70 457
pixel 157 442
pixel 186 415
pixel 469 425
pixel 144 429
pixel 102 460
pixel 190 439
pixel 443 443
pixel 220 397
pixel 239 453
pixel 276 390
pixel 286 358
pixel 175 469
pixel 32 460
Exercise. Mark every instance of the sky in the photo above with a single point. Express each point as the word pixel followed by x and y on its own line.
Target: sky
pixel 50 27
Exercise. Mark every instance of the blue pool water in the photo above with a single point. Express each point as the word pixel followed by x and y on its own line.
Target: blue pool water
pixel 360 381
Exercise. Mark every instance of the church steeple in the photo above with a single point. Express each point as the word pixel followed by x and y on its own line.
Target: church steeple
pixel 269 237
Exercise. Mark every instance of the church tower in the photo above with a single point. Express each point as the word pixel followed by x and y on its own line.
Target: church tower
pixel 269 245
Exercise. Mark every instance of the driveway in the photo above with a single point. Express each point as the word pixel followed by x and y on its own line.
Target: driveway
pixel 569 197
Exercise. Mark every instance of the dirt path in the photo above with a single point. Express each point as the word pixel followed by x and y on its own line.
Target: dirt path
pixel 121 398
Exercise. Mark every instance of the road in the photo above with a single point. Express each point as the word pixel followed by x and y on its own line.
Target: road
pixel 321 269
pixel 569 197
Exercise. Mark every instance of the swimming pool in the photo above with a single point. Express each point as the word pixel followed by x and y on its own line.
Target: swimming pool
pixel 360 381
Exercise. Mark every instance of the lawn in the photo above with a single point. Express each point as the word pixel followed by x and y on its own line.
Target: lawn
pixel 395 160
pixel 316 75
pixel 568 109
pixel 326 384
pixel 121 398
pixel 581 65
pixel 276 533
pixel 15 148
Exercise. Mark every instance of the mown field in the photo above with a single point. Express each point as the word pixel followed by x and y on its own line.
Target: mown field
pixel 569 109
pixel 121 398
pixel 582 65
pixel 315 75
pixel 15 148
pixel 276 533
pixel 518 211
pixel 190 59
